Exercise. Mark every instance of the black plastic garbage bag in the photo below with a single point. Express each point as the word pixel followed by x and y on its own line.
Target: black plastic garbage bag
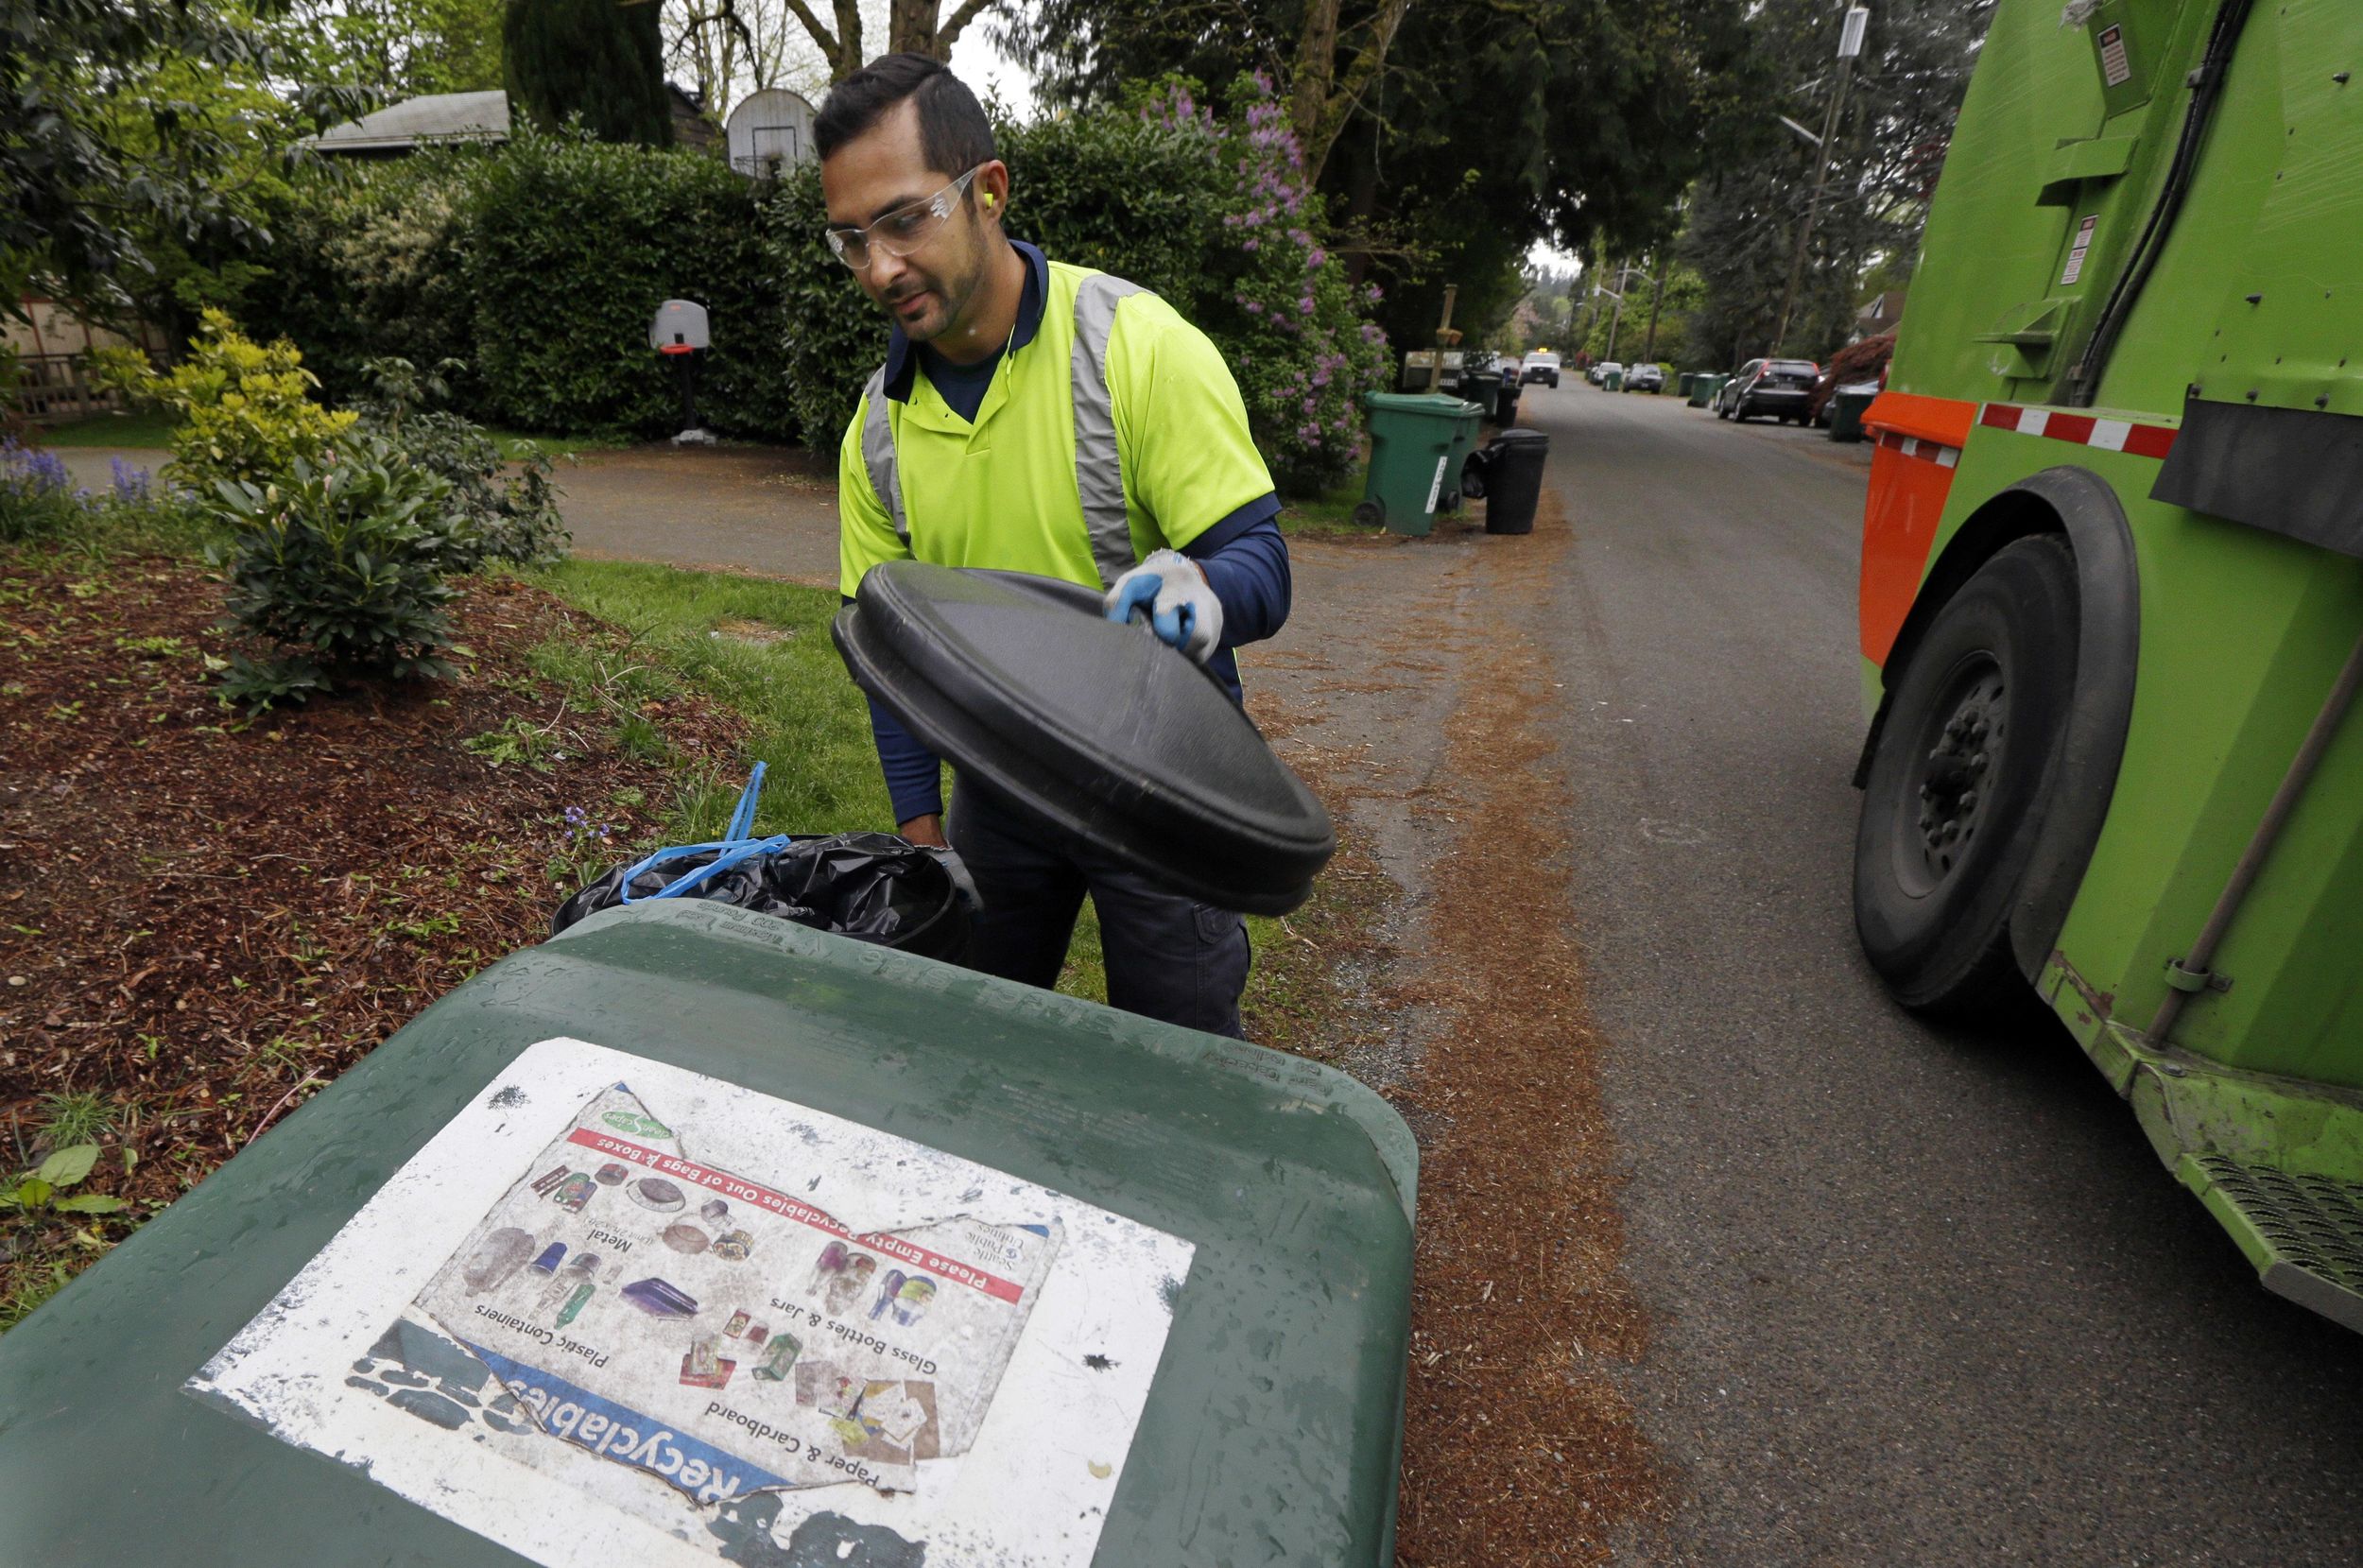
pixel 872 886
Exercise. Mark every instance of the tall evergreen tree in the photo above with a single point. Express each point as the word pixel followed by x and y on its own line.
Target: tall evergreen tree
pixel 603 59
pixel 1882 168
pixel 1480 126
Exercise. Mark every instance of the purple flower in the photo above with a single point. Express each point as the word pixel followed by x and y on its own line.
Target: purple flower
pixel 1304 306
pixel 1250 243
pixel 1315 258
pixel 130 484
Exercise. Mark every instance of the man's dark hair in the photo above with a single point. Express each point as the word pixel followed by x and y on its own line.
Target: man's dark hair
pixel 954 134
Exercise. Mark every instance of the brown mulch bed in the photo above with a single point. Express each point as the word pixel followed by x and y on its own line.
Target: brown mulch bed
pixel 203 918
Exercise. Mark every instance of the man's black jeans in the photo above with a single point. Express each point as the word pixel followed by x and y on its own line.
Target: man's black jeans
pixel 1167 958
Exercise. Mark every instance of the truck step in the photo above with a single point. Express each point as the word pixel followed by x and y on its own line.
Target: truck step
pixel 2305 1232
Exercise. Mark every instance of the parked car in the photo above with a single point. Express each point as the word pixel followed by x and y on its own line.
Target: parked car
pixel 1605 369
pixel 1645 378
pixel 1782 388
pixel 1863 361
pixel 1542 365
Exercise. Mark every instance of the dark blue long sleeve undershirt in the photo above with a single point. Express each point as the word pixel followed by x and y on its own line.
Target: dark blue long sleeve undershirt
pixel 1245 557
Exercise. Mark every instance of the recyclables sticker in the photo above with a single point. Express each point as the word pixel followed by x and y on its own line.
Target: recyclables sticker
pixel 618 1307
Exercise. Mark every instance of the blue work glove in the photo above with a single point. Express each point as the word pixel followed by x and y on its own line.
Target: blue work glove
pixel 1183 610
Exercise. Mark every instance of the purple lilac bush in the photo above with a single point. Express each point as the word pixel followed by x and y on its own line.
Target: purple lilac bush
pixel 1291 323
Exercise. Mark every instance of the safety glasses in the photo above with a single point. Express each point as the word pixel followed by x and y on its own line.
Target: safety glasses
pixel 902 230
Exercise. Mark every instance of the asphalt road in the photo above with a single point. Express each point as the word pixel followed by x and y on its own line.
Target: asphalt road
pixel 1922 1295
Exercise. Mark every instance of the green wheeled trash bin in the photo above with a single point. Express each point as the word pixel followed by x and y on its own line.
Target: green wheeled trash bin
pixel 1702 386
pixel 1848 404
pixel 1614 381
pixel 1682 384
pixel 693 1236
pixel 1417 445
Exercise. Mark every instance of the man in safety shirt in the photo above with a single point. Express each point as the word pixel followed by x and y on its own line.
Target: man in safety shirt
pixel 1037 417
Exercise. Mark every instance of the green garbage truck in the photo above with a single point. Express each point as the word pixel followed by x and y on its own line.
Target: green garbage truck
pixel 2111 595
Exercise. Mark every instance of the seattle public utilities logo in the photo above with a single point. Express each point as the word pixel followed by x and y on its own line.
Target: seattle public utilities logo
pixel 639 1126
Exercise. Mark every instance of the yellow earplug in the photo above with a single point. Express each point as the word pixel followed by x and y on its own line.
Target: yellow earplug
pixel 987 198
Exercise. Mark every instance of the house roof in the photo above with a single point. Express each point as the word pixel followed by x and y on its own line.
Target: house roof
pixel 413 122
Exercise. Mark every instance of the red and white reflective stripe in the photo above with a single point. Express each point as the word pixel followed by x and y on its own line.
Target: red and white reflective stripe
pixel 2142 441
pixel 1915 446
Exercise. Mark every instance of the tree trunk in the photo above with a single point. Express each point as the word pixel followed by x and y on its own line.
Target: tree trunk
pixel 918 27
pixel 1321 98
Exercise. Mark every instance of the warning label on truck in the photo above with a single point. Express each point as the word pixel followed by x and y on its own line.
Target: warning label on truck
pixel 704 1311
pixel 2117 68
pixel 2075 267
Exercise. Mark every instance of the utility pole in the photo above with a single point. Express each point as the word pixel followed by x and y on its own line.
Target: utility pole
pixel 1848 45
pixel 1657 299
pixel 1616 323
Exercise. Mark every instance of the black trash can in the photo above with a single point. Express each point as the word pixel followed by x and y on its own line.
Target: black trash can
pixel 1484 389
pixel 1508 474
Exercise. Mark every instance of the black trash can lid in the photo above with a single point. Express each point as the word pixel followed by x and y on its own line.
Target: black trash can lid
pixel 1521 436
pixel 1101 730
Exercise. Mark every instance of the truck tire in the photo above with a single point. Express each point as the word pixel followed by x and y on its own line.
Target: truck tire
pixel 1957 785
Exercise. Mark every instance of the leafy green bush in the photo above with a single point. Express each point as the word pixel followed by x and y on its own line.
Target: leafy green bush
pixel 573 245
pixel 245 408
pixel 341 561
pixel 542 263
pixel 511 517
pixel 370 263
pixel 1281 306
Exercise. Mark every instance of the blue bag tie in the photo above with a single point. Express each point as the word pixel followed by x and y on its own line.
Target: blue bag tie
pixel 736 844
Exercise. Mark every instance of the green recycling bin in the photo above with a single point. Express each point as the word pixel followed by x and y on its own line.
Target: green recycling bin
pixel 1848 404
pixel 1682 382
pixel 691 1235
pixel 1417 444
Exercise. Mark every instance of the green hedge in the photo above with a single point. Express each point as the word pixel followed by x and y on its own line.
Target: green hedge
pixel 539 264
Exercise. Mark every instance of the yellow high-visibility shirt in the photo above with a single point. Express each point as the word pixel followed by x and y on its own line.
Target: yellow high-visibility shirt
pixel 1147 404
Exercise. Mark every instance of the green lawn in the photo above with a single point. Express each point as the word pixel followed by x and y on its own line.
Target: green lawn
pixel 517 446
pixel 758 647
pixel 761 649
pixel 1330 512
pixel 145 427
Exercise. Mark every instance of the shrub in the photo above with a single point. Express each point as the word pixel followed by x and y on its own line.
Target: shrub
pixel 245 408
pixel 341 562
pixel 371 262
pixel 1286 315
pixel 573 245
pixel 511 517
